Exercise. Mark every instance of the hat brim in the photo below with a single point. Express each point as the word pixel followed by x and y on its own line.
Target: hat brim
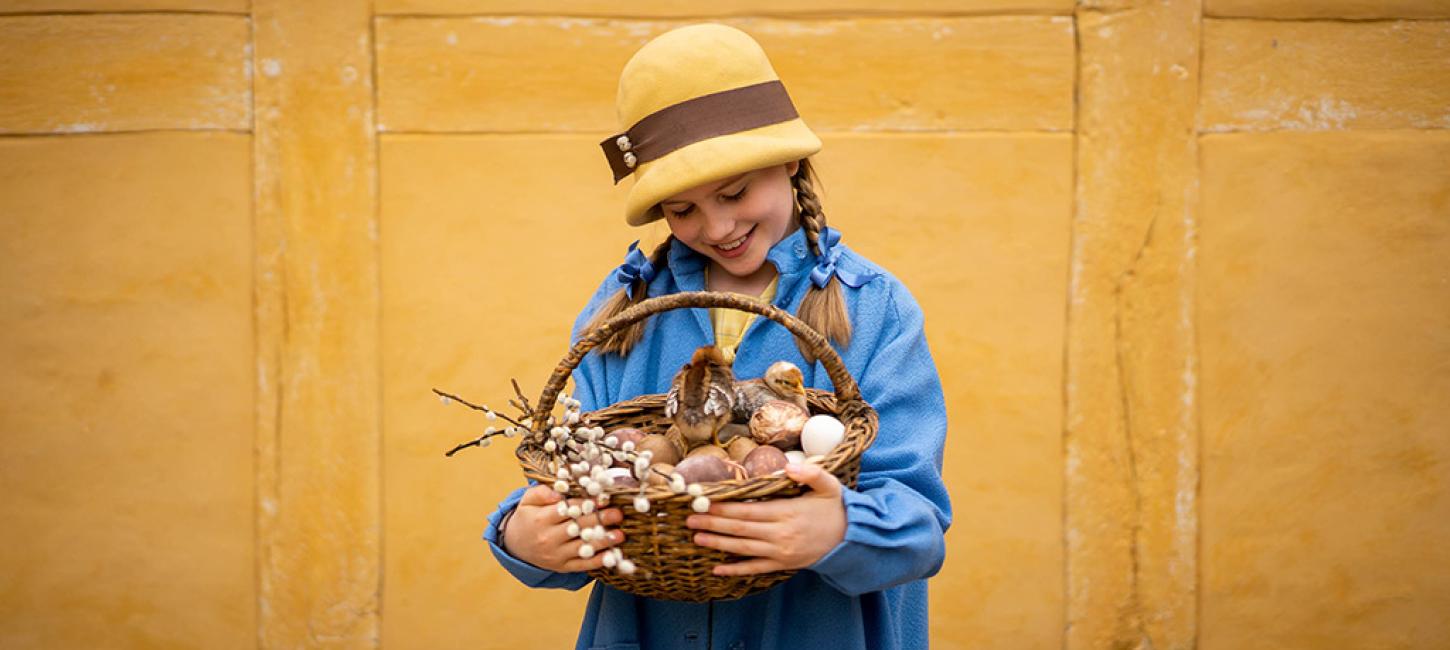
pixel 713 159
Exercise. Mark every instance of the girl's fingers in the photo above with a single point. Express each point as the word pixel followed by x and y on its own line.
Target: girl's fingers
pixel 748 567
pixel 554 516
pixel 753 511
pixel 729 526
pixel 580 565
pixel 816 477
pixel 611 538
pixel 558 533
pixel 736 545
pixel 607 517
pixel 570 549
pixel 539 495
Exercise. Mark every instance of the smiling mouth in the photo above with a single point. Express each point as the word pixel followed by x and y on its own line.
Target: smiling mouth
pixel 737 243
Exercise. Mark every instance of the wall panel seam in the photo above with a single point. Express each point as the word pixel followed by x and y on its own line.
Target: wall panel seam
pixel 101 132
pixel 1327 19
pixel 121 12
pixel 826 132
pixel 668 18
pixel 1280 129
pixel 377 216
pixel 1203 135
pixel 1067 318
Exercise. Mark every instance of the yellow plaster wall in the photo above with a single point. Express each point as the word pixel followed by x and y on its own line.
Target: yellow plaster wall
pixel 1183 264
pixel 1326 333
pixel 126 469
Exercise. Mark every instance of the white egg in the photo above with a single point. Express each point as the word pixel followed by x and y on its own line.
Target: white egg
pixel 796 456
pixel 821 434
pixel 615 473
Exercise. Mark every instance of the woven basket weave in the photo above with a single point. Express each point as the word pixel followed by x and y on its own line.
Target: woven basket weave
pixel 670 565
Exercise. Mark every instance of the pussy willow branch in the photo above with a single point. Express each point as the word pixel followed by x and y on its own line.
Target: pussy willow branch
pixel 472 443
pixel 476 407
pixel 630 456
pixel 519 407
pixel 523 403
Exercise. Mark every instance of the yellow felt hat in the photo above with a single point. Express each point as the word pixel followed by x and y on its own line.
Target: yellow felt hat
pixel 698 104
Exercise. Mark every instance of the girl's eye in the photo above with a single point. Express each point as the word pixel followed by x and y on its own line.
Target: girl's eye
pixel 729 198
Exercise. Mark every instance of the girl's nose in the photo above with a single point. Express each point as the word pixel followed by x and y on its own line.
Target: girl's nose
pixel 719 223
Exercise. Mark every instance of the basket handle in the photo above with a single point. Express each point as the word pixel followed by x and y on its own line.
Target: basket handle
pixel 846 389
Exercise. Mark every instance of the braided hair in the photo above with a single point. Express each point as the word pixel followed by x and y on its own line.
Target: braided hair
pixel 629 335
pixel 823 308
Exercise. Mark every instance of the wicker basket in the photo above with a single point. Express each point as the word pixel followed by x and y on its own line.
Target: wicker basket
pixel 670 565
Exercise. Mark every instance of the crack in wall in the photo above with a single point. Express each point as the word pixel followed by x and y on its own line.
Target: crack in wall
pixel 1132 621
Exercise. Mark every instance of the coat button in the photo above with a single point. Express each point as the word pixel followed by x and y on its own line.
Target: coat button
pixel 629 160
pixel 623 143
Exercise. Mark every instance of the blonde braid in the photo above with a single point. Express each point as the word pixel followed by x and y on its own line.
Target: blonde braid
pixel 824 309
pixel 808 205
pixel 625 340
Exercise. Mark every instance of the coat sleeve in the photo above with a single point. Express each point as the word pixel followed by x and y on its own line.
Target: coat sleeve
pixel 898 514
pixel 588 390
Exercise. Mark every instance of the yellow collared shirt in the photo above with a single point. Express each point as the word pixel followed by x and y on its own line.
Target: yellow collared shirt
pixel 730 324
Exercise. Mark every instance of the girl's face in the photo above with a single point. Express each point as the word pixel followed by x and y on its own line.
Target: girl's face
pixel 734 221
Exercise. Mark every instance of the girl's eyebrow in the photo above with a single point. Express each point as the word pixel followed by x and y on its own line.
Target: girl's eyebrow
pixel 728 182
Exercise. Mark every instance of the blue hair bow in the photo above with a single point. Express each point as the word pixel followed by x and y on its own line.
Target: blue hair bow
pixel 636 266
pixel 826 264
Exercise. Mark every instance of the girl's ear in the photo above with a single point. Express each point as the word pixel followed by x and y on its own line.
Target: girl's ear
pixel 792 167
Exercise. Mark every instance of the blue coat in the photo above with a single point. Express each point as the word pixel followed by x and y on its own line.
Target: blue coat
pixel 870 590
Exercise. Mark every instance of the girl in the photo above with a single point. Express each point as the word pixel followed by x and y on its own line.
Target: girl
pixel 718 152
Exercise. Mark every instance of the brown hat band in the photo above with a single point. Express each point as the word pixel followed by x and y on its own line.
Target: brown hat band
pixel 693 120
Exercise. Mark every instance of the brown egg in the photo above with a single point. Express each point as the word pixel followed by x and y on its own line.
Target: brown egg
pixel 663 450
pixel 739 448
pixel 626 434
pixel 709 450
pixel 778 423
pixel 659 474
pixel 730 432
pixel 621 435
pixel 706 468
pixel 763 461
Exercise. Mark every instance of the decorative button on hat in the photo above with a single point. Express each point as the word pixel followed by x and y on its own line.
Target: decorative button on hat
pixel 697 104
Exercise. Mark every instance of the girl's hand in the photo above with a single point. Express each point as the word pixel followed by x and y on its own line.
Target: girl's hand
pixel 779 534
pixel 536 533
